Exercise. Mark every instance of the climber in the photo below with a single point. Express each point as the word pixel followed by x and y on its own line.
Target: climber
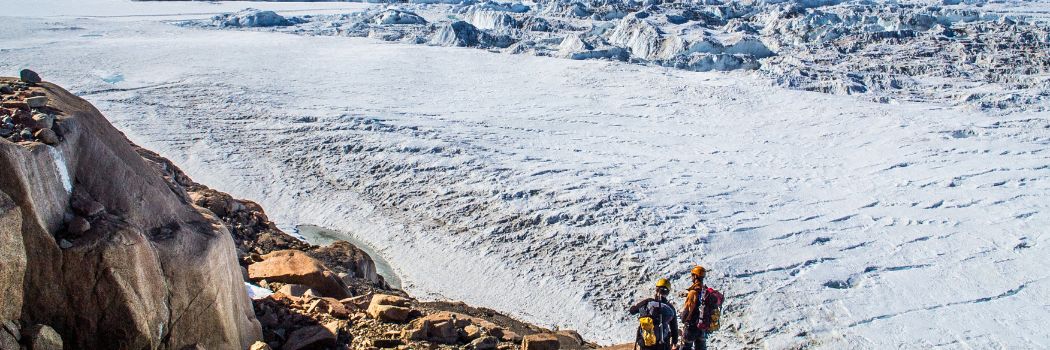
pixel 701 313
pixel 658 320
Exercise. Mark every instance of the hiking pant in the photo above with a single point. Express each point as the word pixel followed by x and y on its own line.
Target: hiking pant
pixel 694 339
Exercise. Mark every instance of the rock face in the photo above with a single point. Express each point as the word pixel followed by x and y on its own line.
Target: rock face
pixel 153 270
pixel 12 259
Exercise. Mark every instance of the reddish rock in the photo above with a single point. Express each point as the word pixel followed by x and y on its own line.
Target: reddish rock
pixel 335 308
pixel 505 334
pixel 570 340
pixel 441 327
pixel 389 313
pixel 473 331
pixel 483 343
pixel 541 341
pixel 359 302
pixel 293 266
pixel 386 299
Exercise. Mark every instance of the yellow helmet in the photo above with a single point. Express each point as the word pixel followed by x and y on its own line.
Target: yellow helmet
pixel 663 283
pixel 698 271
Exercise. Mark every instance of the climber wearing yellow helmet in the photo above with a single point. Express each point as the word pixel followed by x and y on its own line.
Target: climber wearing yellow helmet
pixel 658 320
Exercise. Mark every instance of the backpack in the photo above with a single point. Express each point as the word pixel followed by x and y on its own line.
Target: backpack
pixel 654 325
pixel 711 305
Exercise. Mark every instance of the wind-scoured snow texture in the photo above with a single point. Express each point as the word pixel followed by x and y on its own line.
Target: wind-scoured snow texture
pixel 987 55
pixel 560 190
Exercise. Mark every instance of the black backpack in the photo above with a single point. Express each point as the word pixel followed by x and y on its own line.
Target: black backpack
pixel 661 314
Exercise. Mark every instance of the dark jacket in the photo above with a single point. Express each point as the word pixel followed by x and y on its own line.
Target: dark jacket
pixel 659 308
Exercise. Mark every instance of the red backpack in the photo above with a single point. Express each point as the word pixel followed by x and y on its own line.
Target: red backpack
pixel 711 304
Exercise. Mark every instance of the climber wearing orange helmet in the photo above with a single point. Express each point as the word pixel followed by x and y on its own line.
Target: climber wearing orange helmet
pixel 701 313
pixel 658 320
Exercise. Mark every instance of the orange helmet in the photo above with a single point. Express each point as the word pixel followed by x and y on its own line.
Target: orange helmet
pixel 698 271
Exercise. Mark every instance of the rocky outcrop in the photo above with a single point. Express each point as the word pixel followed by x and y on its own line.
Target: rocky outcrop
pixel 148 269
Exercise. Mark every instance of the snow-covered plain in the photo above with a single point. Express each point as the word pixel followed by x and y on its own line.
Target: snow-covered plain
pixel 559 190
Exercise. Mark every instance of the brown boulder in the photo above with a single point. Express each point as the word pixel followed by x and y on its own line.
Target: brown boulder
pixel 343 256
pixel 293 266
pixel 358 302
pixel 84 205
pixel 386 299
pixel 570 339
pixel 414 334
pixel 473 331
pixel 483 343
pixel 78 226
pixel 42 337
pixel 312 337
pixel 505 334
pixel 335 308
pixel 442 327
pixel 389 313
pixel 43 121
pixel 46 136
pixel 540 341
pixel 389 308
